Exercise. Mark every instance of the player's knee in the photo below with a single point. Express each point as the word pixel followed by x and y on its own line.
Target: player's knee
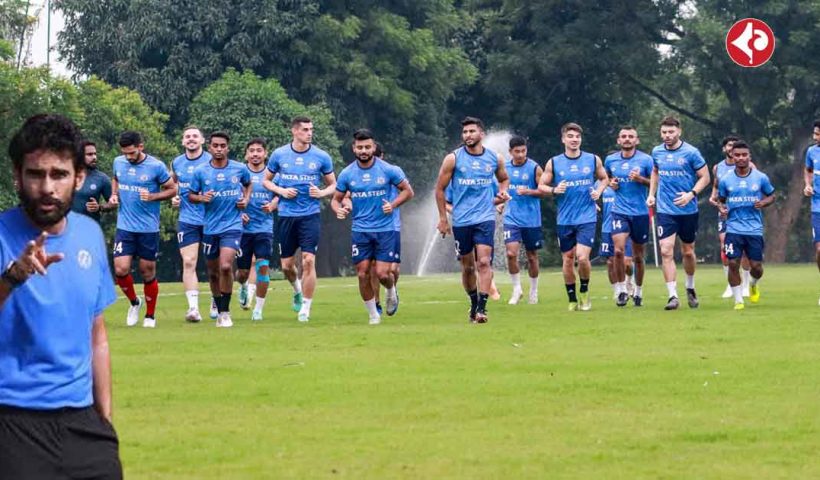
pixel 483 263
pixel 689 254
pixel 225 268
pixel 667 250
pixel 582 257
pixel 619 253
pixel 188 262
pixel 308 261
pixel 242 276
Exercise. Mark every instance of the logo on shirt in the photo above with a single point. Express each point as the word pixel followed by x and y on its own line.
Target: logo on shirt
pixel 515 173
pixel 381 180
pixel 366 177
pixel 84 259
pixel 220 177
pixel 525 177
pixel 743 184
pixel 132 171
pixel 255 179
pixel 234 179
pixel 300 161
pixel 573 168
pixel 670 157
pixel 476 165
pixel 587 169
pixel 93 186
pixel 312 165
pixel 464 170
pixel 755 187
pixel 625 165
pixel 285 165
pixel 488 168
pixel 143 178
pixel 207 182
pixel 190 169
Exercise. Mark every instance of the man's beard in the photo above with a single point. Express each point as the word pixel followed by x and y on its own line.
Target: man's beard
pixel 364 159
pixel 44 219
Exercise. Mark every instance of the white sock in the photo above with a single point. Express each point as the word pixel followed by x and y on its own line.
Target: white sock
pixel 297 286
pixel 614 289
pixel 753 280
pixel 726 271
pixel 516 280
pixel 534 284
pixel 251 290
pixel 260 304
pixel 306 305
pixel 690 282
pixel 193 298
pixel 638 291
pixel 672 288
pixel 745 276
pixel 370 305
pixel 738 293
pixel 391 292
pixel 630 279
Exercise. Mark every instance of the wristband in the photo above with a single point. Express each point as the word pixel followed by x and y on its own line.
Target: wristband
pixel 694 193
pixel 9 278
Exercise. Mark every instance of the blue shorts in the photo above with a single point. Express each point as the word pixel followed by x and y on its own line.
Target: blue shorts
pixel 212 244
pixel 397 247
pixel 722 225
pixel 298 232
pixel 259 245
pixel 189 234
pixel 468 236
pixel 637 226
pixel 608 246
pixel 815 226
pixel 136 244
pixel 571 235
pixel 735 245
pixel 531 237
pixel 379 246
pixel 684 226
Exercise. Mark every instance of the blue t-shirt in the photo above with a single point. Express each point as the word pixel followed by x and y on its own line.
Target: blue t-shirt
pixel 677 173
pixel 472 187
pixel 630 198
pixel 741 193
pixel 575 206
pixel 96 185
pixel 394 192
pixel 369 188
pixel 183 167
pixel 135 215
pixel 522 210
pixel 46 323
pixel 608 202
pixel 260 221
pixel 298 170
pixel 221 214
pixel 813 162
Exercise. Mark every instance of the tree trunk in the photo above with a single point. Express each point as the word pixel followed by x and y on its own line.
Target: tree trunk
pixel 784 214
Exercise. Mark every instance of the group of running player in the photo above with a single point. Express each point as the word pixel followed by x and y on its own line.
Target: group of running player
pixel 226 209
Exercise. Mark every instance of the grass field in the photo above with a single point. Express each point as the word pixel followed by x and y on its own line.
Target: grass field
pixel 538 392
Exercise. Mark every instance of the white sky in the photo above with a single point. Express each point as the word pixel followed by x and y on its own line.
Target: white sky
pixel 36 53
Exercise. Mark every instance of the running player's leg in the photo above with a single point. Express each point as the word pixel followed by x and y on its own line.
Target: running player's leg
pixel 753 251
pixel 567 243
pixel 125 248
pixel 260 276
pixel 189 238
pixel 745 274
pixel 308 231
pixel 374 280
pixel 228 245
pixel 384 256
pixel 363 255
pixel 484 269
pixel 532 271
pixel 629 269
pixel 288 245
pixel 727 293
pixel 512 242
pixel 465 252
pixel 147 251
pixel 687 231
pixel 667 235
pixel 244 261
pixel 619 241
pixel 733 247
pixel 639 267
pixel 586 239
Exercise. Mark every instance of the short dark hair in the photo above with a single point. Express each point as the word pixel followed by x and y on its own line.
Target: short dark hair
pixel 670 121
pixel 729 138
pixel 517 141
pixel 192 127
pixel 257 141
pixel 472 121
pixel 817 123
pixel 88 143
pixel 741 144
pixel 628 127
pixel 362 134
pixel 220 134
pixel 130 138
pixel 299 119
pixel 54 133
pixel 571 126
pixel 379 151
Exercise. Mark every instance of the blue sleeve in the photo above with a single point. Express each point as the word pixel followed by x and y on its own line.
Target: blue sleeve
pixel 162 173
pixel 114 170
pixel 722 193
pixel 341 182
pixel 196 186
pixel 246 177
pixel 106 295
pixel 696 159
pixel 809 163
pixel 766 186
pixel 607 164
pixel 327 164
pixel 106 187
pixel 649 165
pixel 5 254
pixel 397 175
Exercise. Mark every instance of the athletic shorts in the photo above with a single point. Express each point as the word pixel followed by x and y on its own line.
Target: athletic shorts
pixel 212 244
pixel 531 237
pixel 136 244
pixel 721 225
pixel 684 226
pixel 815 226
pixel 608 246
pixel 397 247
pixel 259 245
pixel 189 234
pixel 468 236
pixel 298 232
pixel 379 246
pixel 571 235
pixel 64 443
pixel 735 245
pixel 637 226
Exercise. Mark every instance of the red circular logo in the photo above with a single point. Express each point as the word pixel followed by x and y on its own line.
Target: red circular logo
pixel 750 42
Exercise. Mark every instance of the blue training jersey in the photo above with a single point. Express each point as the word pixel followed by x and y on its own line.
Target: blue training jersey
pixel 134 214
pixel 369 188
pixel 260 221
pixel 221 214
pixel 299 170
pixel 608 201
pixel 522 210
pixel 813 162
pixel 472 187
pixel 741 193
pixel 575 206
pixel 183 168
pixel 394 192
pixel 677 173
pixel 630 198
pixel 46 323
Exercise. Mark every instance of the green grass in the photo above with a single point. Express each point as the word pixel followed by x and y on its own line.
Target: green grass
pixel 536 393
